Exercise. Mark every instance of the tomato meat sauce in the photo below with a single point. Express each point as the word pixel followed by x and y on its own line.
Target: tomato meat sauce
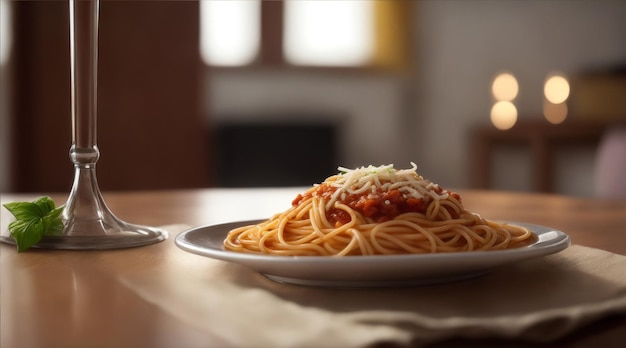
pixel 378 205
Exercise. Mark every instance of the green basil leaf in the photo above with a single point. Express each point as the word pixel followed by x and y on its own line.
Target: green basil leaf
pixel 45 204
pixel 26 233
pixel 53 226
pixel 24 210
pixel 17 226
pixel 56 228
pixel 56 212
pixel 33 221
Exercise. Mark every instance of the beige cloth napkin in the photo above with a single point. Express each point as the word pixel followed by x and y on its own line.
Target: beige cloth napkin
pixel 536 300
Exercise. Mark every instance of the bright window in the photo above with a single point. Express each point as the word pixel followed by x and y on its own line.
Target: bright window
pixel 5 34
pixel 335 33
pixel 229 32
pixel 331 33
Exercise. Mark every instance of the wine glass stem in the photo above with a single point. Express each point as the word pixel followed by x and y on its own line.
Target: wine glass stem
pixel 85 201
pixel 84 62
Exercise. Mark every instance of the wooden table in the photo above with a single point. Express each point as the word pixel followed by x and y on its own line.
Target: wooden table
pixel 57 298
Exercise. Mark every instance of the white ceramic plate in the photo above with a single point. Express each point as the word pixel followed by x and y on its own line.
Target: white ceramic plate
pixel 369 271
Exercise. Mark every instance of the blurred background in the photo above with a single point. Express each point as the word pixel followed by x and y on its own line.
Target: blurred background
pixel 507 95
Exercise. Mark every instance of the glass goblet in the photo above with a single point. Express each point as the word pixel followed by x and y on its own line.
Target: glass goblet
pixel 88 222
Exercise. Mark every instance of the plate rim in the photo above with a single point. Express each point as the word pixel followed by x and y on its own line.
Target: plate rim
pixel 408 269
pixel 560 242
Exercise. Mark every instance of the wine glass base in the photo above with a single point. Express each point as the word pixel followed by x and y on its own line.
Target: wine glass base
pixel 117 240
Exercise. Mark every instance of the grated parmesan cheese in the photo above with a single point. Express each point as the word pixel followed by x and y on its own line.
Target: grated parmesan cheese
pixel 383 178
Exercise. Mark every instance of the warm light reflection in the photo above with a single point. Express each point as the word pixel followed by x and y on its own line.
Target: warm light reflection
pixel 504 87
pixel 503 115
pixel 556 89
pixel 555 113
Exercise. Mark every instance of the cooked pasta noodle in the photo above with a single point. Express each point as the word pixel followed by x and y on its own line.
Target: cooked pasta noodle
pixel 375 211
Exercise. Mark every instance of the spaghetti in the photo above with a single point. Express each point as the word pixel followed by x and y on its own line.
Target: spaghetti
pixel 375 211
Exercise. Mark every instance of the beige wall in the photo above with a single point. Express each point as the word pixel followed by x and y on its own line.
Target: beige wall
pixel 462 44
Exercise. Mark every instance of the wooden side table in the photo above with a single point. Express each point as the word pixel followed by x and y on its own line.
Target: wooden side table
pixel 540 137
